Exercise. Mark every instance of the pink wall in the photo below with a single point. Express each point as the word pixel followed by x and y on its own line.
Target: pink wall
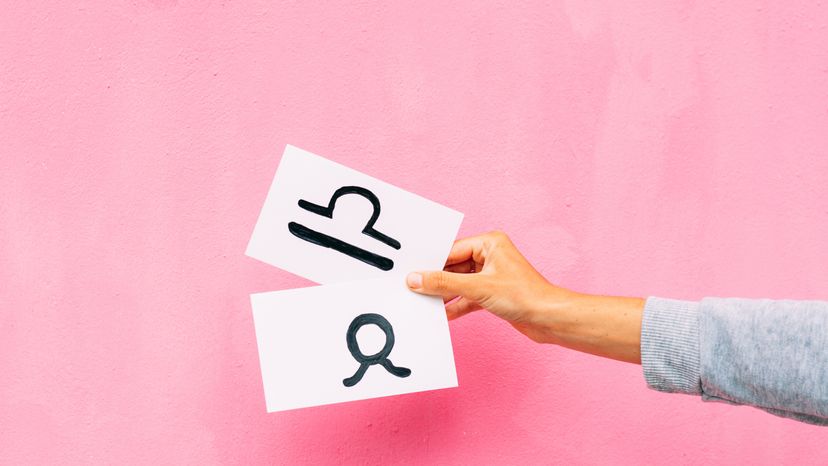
pixel 679 150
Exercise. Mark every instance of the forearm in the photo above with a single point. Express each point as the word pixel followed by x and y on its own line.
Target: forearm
pixel 605 326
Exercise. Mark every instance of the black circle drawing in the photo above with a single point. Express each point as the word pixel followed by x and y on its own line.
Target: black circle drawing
pixel 379 358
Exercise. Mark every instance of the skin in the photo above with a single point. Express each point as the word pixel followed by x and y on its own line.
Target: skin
pixel 488 272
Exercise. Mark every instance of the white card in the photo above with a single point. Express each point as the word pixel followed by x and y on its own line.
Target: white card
pixel 298 232
pixel 304 352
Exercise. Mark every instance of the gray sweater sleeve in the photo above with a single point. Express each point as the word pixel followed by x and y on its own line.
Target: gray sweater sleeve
pixel 769 354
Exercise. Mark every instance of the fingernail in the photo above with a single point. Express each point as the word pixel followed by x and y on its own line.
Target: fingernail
pixel 414 280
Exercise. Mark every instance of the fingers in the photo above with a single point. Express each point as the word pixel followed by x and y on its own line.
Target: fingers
pixel 474 247
pixel 466 249
pixel 467 256
pixel 463 267
pixel 445 284
pixel 461 307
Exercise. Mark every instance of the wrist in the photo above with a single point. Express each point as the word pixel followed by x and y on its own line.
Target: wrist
pixel 558 313
pixel 608 326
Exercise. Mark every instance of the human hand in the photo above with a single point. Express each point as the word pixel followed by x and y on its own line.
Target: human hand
pixel 488 272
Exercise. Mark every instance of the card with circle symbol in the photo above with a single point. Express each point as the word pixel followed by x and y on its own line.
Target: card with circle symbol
pixel 330 223
pixel 350 341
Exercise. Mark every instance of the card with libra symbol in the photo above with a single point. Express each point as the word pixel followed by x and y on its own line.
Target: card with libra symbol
pixel 330 223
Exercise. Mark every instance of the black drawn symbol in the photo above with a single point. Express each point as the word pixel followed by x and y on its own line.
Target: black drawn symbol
pixel 379 358
pixel 327 241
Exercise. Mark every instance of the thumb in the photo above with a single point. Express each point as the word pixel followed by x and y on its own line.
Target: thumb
pixel 441 283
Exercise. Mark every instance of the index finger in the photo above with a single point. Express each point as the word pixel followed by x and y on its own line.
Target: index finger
pixel 466 248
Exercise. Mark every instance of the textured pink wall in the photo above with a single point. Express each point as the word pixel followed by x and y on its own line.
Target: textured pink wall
pixel 678 150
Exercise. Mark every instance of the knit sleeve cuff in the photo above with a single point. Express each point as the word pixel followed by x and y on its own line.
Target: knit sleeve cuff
pixel 670 346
